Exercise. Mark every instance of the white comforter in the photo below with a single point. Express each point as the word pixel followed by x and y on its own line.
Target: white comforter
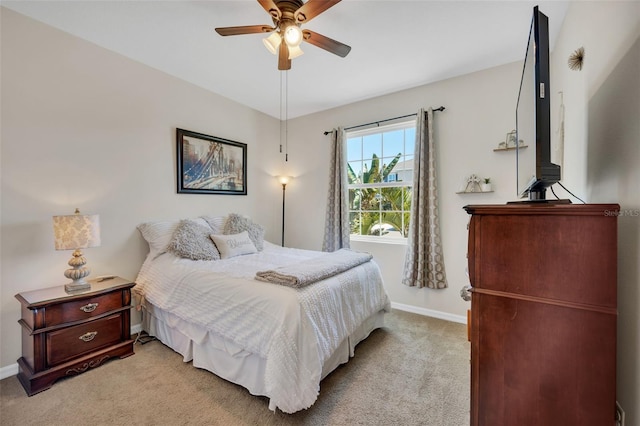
pixel 294 330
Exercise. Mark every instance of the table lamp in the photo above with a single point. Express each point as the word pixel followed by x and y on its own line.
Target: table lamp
pixel 75 232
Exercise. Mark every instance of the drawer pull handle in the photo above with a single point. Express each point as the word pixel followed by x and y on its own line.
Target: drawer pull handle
pixel 90 307
pixel 87 337
pixel 465 293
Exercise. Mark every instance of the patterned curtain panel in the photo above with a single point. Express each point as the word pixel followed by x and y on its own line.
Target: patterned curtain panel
pixel 336 225
pixel 424 264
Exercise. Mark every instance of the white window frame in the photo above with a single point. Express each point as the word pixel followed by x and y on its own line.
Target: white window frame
pixel 404 124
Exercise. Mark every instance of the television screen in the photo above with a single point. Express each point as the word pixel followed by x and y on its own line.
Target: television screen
pixel 535 172
pixel 526 122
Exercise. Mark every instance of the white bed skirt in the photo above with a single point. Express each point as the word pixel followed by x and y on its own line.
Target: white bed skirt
pixel 228 361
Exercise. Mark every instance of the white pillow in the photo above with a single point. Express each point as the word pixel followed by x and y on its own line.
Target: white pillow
pixel 236 224
pixel 234 245
pixel 216 223
pixel 158 234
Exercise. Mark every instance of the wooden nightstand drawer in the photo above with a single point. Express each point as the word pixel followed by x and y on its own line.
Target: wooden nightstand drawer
pixel 82 309
pixel 70 342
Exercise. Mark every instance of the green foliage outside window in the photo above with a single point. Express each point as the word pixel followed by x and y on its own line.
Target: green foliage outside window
pixel 378 209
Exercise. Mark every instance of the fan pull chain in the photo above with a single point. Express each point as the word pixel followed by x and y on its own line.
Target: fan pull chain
pixel 281 108
pixel 284 114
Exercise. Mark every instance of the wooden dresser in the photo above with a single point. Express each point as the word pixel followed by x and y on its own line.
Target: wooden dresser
pixel 543 314
pixel 67 334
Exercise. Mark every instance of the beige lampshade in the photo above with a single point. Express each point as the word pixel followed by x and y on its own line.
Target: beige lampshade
pixel 76 231
pixel 294 52
pixel 273 42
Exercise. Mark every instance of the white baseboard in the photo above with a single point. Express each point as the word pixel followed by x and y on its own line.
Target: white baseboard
pixel 8 371
pixel 430 313
pixel 136 328
pixel 12 370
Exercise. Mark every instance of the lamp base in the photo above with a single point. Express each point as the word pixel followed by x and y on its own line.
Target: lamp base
pixel 75 287
pixel 77 273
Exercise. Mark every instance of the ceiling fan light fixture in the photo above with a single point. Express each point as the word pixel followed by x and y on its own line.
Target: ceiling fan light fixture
pixel 272 42
pixel 292 35
pixel 295 51
pixel 287 17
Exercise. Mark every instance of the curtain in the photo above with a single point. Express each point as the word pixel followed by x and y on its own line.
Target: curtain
pixel 336 225
pixel 424 264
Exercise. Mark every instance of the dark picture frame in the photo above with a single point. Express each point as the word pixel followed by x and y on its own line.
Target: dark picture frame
pixel 210 165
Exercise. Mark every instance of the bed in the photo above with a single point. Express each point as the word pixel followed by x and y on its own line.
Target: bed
pixel 230 316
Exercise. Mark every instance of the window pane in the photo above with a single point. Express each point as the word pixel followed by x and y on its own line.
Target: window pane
pixel 372 144
pixel 371 172
pixel 354 223
pixel 370 223
pixel 356 168
pixel 370 199
pixel 404 170
pixel 354 149
pixel 405 226
pixel 406 193
pixel 391 224
pixel 409 140
pixel 354 199
pixel 392 198
pixel 389 168
pixel 393 142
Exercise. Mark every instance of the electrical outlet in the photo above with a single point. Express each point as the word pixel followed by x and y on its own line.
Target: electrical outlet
pixel 619 415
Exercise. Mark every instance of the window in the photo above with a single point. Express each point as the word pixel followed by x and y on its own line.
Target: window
pixel 380 173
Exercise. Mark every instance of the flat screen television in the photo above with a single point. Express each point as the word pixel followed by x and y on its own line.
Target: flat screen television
pixel 535 171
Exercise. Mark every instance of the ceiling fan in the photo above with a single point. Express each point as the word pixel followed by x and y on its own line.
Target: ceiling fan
pixel 286 35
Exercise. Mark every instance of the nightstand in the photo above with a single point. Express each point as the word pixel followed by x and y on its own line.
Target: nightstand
pixel 67 334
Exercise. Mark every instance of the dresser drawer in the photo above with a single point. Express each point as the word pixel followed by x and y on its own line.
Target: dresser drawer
pixel 66 344
pixel 82 309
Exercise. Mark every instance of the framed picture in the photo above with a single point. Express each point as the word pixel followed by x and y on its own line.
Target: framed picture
pixel 210 165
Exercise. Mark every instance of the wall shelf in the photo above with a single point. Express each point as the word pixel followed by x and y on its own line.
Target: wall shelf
pixel 473 192
pixel 511 148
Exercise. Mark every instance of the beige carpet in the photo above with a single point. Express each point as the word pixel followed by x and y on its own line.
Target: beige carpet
pixel 415 371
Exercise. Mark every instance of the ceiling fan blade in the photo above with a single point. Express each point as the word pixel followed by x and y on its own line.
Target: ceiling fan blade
pixel 326 43
pixel 246 29
pixel 284 63
pixel 271 8
pixel 312 8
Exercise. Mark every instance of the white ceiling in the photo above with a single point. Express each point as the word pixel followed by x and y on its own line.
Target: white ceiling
pixel 395 44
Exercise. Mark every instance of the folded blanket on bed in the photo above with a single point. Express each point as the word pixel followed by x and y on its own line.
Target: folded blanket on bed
pixel 318 268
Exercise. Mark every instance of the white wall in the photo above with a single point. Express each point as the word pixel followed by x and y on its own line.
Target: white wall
pixel 602 150
pixel 84 127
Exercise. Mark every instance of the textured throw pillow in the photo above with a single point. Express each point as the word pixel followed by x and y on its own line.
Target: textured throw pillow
pixel 158 234
pixel 216 223
pixel 234 245
pixel 236 223
pixel 191 241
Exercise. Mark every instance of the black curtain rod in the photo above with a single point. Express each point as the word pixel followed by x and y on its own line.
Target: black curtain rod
pixel 441 108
